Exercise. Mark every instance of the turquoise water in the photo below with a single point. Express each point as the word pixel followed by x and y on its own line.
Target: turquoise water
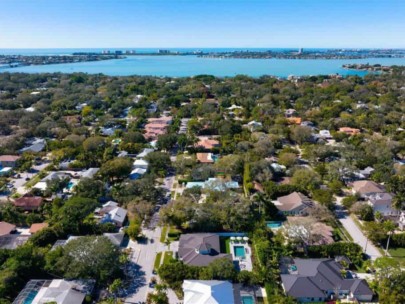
pixel 30 297
pixel 239 251
pixel 70 185
pixel 274 224
pixel 179 66
pixel 247 300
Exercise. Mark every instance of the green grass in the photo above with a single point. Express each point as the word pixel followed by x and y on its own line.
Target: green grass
pixel 225 244
pixel 157 261
pixel 173 234
pixel 168 256
pixel 33 181
pixel 163 234
pixel 398 254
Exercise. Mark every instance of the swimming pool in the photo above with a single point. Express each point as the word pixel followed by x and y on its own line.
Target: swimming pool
pixel 274 224
pixel 30 297
pixel 247 300
pixel 70 185
pixel 239 251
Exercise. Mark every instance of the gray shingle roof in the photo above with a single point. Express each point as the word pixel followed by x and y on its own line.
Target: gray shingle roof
pixel 314 277
pixel 192 247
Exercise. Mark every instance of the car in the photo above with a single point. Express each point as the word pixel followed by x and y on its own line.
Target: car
pixel 152 282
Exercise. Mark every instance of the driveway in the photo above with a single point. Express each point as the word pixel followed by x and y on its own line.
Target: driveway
pixel 355 232
pixel 143 257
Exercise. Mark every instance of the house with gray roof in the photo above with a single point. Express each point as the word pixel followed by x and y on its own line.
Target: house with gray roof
pixel 200 249
pixel 318 280
pixel 382 202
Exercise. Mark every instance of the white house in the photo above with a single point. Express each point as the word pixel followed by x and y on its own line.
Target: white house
pixel 325 134
pixel 382 202
pixel 137 173
pixel 111 213
pixel 140 164
pixel 208 292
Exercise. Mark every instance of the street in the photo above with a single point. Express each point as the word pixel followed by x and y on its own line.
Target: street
pixel 355 232
pixel 143 257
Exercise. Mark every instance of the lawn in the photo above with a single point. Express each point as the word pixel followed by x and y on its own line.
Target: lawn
pixel 157 261
pixel 163 234
pixel 225 244
pixel 167 257
pixel 398 254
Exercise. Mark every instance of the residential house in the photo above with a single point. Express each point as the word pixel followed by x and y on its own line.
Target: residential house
pixel 205 158
pixel 157 126
pixel 183 125
pixel 365 173
pixel 294 120
pixel 365 188
pixel 90 173
pixel 214 184
pixel 137 173
pixel 253 126
pixel 6 171
pixel 200 249
pixel 111 213
pixel 382 202
pixel 290 112
pixel 9 238
pixel 36 145
pixel 140 164
pixel 28 203
pixel 7 228
pixel 208 292
pixel 207 143
pixel 38 227
pixel 43 185
pixel 319 280
pixel 56 291
pixel 9 160
pixel 349 131
pixel 325 134
pixel 145 152
pixel 295 203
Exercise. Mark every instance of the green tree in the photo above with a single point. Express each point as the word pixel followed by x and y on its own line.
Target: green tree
pixel 116 169
pixel 223 269
pixel 88 257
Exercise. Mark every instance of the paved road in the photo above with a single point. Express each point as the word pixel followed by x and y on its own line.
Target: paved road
pixel 357 235
pixel 143 259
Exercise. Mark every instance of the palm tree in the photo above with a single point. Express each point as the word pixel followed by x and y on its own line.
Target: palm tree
pixel 389 227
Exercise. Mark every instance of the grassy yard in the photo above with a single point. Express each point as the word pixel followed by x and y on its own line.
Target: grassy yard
pixel 33 181
pixel 225 244
pixel 157 261
pixel 167 257
pixel 163 234
pixel 398 254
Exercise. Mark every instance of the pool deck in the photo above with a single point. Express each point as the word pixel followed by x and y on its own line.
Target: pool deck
pixel 246 262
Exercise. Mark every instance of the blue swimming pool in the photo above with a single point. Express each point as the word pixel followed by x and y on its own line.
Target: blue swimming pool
pixel 274 224
pixel 30 297
pixel 70 185
pixel 247 300
pixel 239 251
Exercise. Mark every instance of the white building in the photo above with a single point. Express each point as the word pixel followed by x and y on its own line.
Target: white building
pixel 208 292
pixel 382 202
pixel 140 164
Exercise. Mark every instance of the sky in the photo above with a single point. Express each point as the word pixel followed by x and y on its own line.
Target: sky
pixel 202 23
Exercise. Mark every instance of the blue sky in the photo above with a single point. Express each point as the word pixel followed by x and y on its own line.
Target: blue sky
pixel 203 23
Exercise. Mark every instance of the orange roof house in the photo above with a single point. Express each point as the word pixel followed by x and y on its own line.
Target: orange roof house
pixel 28 203
pixel 294 120
pixel 207 143
pixel 205 158
pixel 349 131
pixel 37 227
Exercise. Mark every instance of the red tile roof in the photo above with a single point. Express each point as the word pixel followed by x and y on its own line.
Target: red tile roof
pixel 9 158
pixel 28 202
pixel 37 227
pixel 6 228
